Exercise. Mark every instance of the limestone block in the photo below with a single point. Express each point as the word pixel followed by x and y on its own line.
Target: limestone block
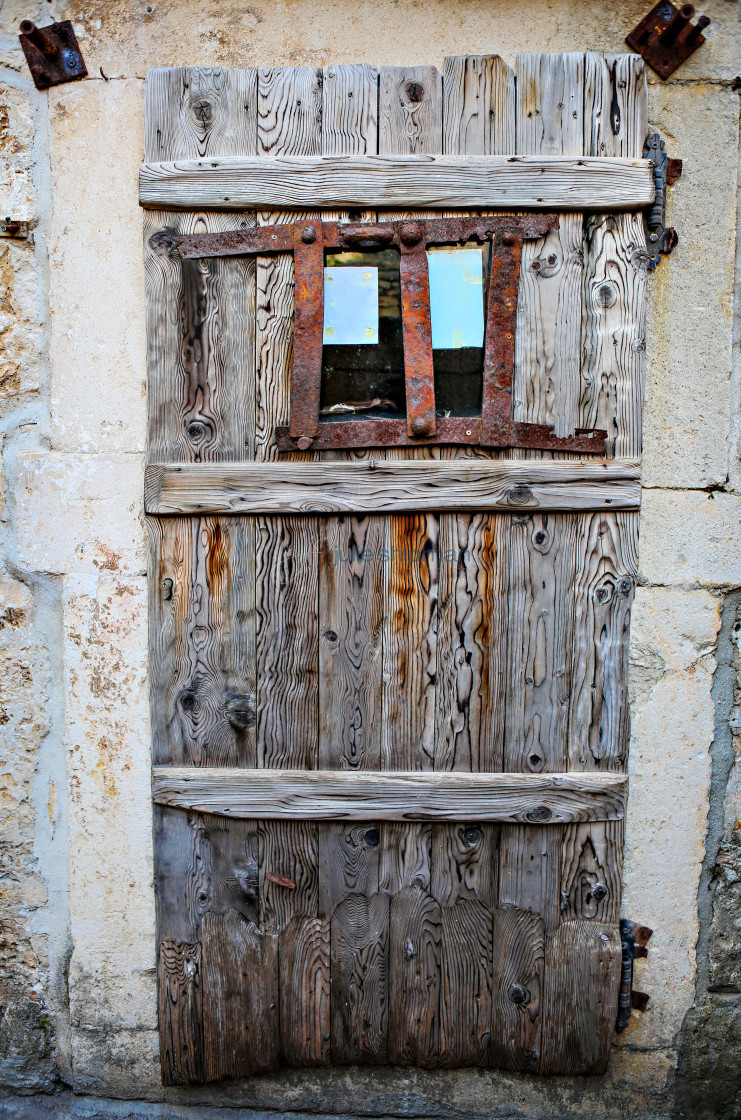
pixel 690 305
pixel 20 328
pixel 80 513
pixel 688 537
pixel 126 38
pixel 112 976
pixel 672 641
pixel 17 192
pixel 97 267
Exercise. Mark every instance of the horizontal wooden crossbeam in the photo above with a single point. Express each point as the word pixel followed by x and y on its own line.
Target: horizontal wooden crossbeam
pixel 437 182
pixel 392 795
pixel 374 486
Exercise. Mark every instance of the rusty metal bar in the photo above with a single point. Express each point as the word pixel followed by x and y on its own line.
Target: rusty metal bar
pixel 499 348
pixel 308 332
pixel 419 374
pixel 334 435
pixel 236 243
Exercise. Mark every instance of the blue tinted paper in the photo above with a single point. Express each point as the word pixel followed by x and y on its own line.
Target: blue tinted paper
pixel 456 298
pixel 350 306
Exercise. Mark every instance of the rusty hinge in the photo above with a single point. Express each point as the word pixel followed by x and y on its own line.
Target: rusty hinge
pixel 633 939
pixel 52 53
pixel 11 228
pixel 660 238
pixel 495 427
pixel 665 38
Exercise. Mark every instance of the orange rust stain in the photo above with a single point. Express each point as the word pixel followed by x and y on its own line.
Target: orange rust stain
pixel 217 555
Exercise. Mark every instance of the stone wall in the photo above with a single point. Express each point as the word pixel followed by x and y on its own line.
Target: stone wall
pixel 77 991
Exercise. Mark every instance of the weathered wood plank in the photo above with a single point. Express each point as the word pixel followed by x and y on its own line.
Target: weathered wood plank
pixel 591 871
pixel 537 182
pixel 304 992
pixel 582 976
pixel 464 863
pixel 202 641
pixel 392 796
pixel 240 997
pixel 288 859
pixel 392 486
pixel 415 935
pixel 478 106
pixel 350 111
pixel 360 980
pixel 530 870
pixel 405 857
pixel 180 1012
pixel 517 1000
pixel 465 997
pixel 348 862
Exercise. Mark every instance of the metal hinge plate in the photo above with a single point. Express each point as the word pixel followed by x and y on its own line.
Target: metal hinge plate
pixel 11 228
pixel 660 238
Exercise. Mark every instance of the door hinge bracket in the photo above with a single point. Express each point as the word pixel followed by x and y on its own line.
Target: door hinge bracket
pixel 52 53
pixel 660 238
pixel 665 38
pixel 9 227
pixel 633 940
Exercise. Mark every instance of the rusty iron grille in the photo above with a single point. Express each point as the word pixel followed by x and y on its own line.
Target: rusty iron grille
pixel 495 427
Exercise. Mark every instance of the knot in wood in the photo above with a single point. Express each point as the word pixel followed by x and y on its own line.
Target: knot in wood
pixel 520 495
pixel 415 91
pixel 372 837
pixel 539 815
pixel 167 586
pixel 599 891
pixel 471 835
pixel 240 711
pixel 203 111
pixel 519 995
pixel 624 586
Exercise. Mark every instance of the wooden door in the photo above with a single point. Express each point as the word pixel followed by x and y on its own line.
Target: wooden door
pixel 321 918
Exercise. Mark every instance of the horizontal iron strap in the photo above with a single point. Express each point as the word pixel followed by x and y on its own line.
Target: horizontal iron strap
pixel 391 486
pixel 435 182
pixel 391 795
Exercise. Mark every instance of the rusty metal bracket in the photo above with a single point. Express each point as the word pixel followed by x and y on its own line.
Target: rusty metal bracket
pixel 665 38
pixel 52 53
pixel 660 238
pixel 11 228
pixel 422 426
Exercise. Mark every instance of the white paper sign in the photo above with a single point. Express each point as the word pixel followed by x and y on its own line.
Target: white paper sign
pixel 350 306
pixel 456 298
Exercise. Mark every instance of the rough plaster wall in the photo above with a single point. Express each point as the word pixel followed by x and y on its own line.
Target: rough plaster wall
pixel 76 887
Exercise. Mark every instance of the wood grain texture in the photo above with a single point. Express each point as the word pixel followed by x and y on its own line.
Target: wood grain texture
pixel 350 111
pixel 288 849
pixel 547 182
pixel 360 980
pixel 393 486
pixel 582 976
pixel 478 106
pixel 464 863
pixel 465 996
pixel 591 871
pixel 390 795
pixel 240 997
pixel 349 856
pixel 530 870
pixel 202 640
pixel 415 936
pixel 304 992
pixel 406 856
pixel 180 1012
pixel 197 112
pixel 517 999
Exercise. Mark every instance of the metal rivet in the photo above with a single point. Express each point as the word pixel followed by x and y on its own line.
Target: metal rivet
pixel 303 443
pixel 308 234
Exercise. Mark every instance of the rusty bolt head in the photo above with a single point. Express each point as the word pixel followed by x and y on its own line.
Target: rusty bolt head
pixel 303 443
pixel 508 238
pixel 410 233
pixel 308 234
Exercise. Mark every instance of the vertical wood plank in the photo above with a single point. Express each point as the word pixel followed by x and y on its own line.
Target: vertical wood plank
pixel 517 1000
pixel 348 862
pixel 180 1012
pixel 478 106
pixel 465 996
pixel 529 870
pixel 464 863
pixel 304 992
pixel 582 977
pixel 289 105
pixel 360 980
pixel 201 640
pixel 415 935
pixel 240 997
pixel 591 871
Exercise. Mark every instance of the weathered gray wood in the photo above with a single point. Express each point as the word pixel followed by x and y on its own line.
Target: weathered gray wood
pixel 350 111
pixel 392 486
pixel 415 935
pixel 530 870
pixel 478 106
pixel 545 182
pixel 348 862
pixel 180 1012
pixel 465 996
pixel 582 976
pixel 464 863
pixel 517 999
pixel 304 992
pixel 360 980
pixel 406 856
pixel 591 871
pixel 240 997
pixel 390 795
pixel 288 850
pixel 201 640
